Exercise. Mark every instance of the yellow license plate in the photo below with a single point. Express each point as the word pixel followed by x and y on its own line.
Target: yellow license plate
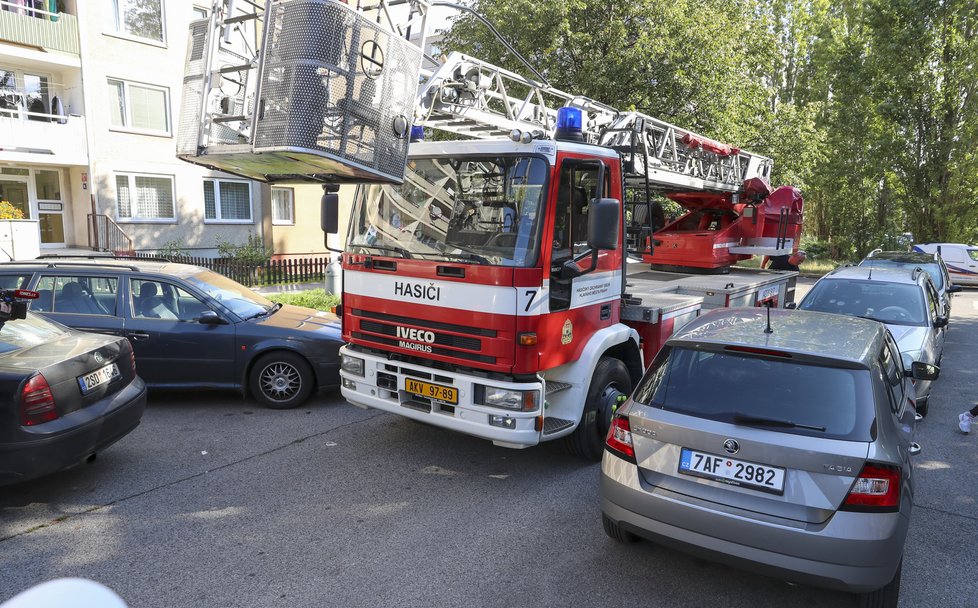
pixel 447 394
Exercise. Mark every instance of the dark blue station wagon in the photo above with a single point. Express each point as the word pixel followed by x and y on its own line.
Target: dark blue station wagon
pixel 190 327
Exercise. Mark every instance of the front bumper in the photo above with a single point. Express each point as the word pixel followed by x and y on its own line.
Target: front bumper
pixel 55 445
pixel 382 387
pixel 855 552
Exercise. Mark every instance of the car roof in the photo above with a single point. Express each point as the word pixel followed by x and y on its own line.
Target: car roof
pixel 812 336
pixel 869 273
pixel 107 264
pixel 906 257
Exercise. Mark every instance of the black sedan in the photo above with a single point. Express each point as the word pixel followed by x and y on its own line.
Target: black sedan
pixel 190 327
pixel 64 396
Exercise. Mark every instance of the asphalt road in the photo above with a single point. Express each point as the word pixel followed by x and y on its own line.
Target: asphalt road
pixel 216 502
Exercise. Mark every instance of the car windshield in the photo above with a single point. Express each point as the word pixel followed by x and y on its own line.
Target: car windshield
pixel 932 268
pixel 475 210
pixel 892 303
pixel 25 333
pixel 236 297
pixel 733 387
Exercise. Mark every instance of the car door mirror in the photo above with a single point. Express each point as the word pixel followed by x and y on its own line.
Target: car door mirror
pixel 209 317
pixel 940 322
pixel 330 209
pixel 953 288
pixel 923 371
pixel 791 305
pixel 604 217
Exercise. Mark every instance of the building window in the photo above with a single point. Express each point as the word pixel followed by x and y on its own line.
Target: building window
pixel 227 201
pixel 200 12
pixel 144 198
pixel 283 206
pixel 140 18
pixel 139 107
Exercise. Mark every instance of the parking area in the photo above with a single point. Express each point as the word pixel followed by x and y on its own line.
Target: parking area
pixel 215 501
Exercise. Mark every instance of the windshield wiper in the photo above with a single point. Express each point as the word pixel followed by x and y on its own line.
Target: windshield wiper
pixel 762 421
pixel 400 250
pixel 262 313
pixel 468 256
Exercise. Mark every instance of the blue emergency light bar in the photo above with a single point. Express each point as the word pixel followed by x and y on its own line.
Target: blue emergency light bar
pixel 570 124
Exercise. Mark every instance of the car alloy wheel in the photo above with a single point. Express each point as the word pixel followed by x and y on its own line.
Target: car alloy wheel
pixel 281 380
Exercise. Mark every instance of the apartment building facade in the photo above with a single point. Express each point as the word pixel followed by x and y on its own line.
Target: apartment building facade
pixel 90 95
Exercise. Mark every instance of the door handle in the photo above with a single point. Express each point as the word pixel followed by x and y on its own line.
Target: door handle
pixel 138 336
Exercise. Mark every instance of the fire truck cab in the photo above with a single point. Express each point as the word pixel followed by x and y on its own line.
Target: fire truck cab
pixel 482 294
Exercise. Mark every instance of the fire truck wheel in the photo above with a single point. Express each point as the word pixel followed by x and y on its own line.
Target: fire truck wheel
pixel 610 381
pixel 281 380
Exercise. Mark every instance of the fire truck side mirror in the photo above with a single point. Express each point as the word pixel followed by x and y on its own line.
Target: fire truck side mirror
pixel 603 221
pixel 330 209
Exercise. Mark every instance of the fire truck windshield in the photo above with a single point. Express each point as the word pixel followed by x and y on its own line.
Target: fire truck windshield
pixel 483 210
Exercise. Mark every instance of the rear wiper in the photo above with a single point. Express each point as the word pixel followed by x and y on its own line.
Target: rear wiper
pixel 399 250
pixel 762 421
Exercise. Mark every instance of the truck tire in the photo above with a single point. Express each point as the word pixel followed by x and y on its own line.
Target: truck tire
pixel 610 381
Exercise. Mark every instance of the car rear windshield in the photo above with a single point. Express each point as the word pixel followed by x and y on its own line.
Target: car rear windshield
pixel 25 333
pixel 737 388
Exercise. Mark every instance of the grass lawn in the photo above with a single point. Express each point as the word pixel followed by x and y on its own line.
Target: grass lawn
pixel 314 298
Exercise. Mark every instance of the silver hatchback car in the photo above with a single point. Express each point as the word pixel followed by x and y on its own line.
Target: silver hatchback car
pixel 779 444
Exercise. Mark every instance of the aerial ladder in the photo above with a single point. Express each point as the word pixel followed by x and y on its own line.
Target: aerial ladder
pixel 324 91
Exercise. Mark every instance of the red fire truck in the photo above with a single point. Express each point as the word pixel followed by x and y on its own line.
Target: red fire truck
pixel 507 285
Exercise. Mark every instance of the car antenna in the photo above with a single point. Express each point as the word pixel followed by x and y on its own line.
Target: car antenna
pixel 768 329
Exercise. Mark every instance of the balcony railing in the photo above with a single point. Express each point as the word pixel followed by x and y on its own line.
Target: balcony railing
pixel 34 27
pixel 49 138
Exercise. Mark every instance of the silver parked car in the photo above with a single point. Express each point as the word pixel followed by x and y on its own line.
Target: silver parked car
pixel 905 300
pixel 786 452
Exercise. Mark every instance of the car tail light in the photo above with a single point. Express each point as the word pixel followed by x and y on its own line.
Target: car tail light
pixel 876 489
pixel 619 441
pixel 36 402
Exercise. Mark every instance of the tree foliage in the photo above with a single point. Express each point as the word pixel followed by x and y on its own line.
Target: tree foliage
pixel 869 106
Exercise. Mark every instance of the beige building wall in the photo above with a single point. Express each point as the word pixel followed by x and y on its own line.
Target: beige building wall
pixel 107 54
pixel 305 236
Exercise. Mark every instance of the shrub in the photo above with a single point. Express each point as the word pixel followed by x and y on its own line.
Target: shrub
pixel 172 250
pixel 253 252
pixel 9 212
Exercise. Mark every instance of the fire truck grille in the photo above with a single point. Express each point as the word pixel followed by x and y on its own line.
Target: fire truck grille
pixel 442 339
pixel 458 354
pixel 459 329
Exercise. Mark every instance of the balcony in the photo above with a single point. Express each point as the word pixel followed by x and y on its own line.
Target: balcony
pixel 41 138
pixel 37 28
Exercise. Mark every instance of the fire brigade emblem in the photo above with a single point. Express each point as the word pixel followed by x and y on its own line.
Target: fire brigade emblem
pixel 567 335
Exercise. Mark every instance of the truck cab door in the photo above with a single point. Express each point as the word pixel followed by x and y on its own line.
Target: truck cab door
pixel 577 185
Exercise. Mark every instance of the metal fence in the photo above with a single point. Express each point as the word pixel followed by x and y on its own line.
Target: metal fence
pixel 303 270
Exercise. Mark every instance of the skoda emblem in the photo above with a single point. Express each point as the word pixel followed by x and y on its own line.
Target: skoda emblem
pixel 98 357
pixel 731 446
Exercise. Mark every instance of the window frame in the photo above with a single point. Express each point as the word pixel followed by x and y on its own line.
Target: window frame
pixel 291 220
pixel 127 126
pixel 132 186
pixel 217 202
pixel 118 26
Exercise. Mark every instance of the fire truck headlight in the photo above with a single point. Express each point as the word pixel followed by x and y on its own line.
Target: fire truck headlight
pixel 352 365
pixel 525 401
